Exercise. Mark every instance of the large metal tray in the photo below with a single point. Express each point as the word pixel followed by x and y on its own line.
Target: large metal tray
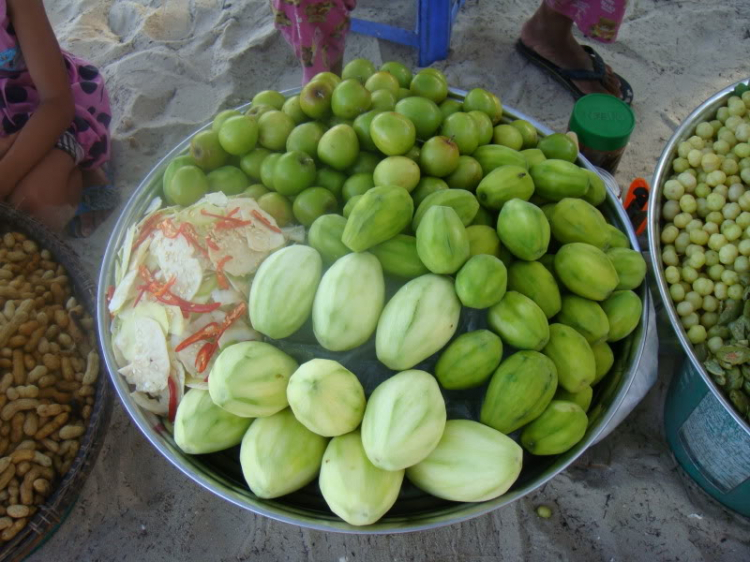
pixel 414 510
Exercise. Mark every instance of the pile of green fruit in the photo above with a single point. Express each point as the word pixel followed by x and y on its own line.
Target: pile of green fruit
pixel 421 209
pixel 705 239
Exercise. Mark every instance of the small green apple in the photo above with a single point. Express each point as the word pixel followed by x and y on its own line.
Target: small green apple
pixel 294 172
pixel 305 138
pixel 206 150
pixel 361 69
pixel 239 134
pixel 400 71
pixel 439 157
pixel 397 170
pixel 274 128
pixel 278 206
pixel 229 179
pixel 313 203
pixel 269 97
pixel 250 163
pixel 293 109
pixel 339 147
pixel 394 134
pixel 188 185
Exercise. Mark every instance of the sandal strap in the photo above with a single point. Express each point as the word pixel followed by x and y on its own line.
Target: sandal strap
pixel 598 73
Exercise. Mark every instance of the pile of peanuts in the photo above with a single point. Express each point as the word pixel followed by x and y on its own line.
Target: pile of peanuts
pixel 48 369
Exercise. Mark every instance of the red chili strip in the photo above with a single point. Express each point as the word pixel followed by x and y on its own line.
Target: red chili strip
pixel 265 221
pixel 172 398
pixel 220 276
pixel 204 356
pixel 211 244
pixel 207 332
pixel 221 217
pixel 110 293
pixel 147 228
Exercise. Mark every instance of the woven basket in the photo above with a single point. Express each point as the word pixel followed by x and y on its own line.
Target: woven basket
pixel 49 516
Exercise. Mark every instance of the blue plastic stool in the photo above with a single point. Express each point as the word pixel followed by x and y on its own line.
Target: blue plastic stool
pixel 432 36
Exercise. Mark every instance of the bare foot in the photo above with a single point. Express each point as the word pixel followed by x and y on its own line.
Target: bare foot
pixel 549 34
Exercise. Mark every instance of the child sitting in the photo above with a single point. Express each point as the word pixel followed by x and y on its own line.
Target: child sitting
pixel 54 123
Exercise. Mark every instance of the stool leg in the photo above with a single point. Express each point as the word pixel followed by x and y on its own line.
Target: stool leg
pixel 433 30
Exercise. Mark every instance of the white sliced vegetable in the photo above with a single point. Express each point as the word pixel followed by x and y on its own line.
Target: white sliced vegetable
pixel 127 248
pixel 217 198
pixel 237 332
pixel 150 366
pixel 175 259
pixel 159 406
pixel 149 309
pixel 227 296
pixel 123 292
pixel 154 206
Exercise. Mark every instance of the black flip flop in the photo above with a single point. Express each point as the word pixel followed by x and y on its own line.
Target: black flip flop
pixel 566 77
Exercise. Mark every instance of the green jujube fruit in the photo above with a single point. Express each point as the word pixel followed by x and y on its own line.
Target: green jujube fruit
pixel 617 238
pixel 483 239
pixel 249 379
pixel 469 360
pixel 596 194
pixel 380 214
pixel 482 281
pixel 282 292
pixel 604 359
pixel 582 398
pixel 519 321
pixel 349 207
pixel 355 489
pixel 523 229
pixel 418 321
pixel 503 184
pixel 201 427
pixel 472 463
pixel 572 356
pixel 519 391
pixel 325 236
pixel 549 210
pixel 398 256
pixel 557 179
pixel 442 242
pixel 630 267
pixel 623 310
pixel 348 302
pixel 491 156
pixel 532 279
pixel 558 429
pixel 460 200
pixel 533 156
pixel 426 187
pixel 326 397
pixel 586 271
pixel 483 217
pixel 279 455
pixel 585 316
pixel 404 420
pixel 574 220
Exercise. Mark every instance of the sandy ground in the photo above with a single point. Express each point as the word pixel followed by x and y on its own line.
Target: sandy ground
pixel 171 64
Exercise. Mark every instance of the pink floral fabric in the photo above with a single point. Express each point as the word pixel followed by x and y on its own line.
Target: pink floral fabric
pixel 315 29
pixel 598 19
pixel 19 98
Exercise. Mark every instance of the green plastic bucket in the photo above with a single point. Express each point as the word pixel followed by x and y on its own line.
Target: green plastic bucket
pixel 707 441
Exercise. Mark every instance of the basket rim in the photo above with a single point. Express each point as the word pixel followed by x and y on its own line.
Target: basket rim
pixel 53 512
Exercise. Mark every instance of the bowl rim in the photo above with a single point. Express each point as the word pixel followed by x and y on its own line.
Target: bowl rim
pixel 154 431
pixel 661 173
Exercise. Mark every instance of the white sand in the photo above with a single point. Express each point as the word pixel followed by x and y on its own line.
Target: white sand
pixel 171 64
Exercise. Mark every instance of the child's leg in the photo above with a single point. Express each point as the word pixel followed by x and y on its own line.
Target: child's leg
pixel 315 30
pixel 51 191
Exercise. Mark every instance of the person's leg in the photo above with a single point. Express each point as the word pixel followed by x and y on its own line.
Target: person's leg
pixel 316 31
pixel 549 33
pixel 51 191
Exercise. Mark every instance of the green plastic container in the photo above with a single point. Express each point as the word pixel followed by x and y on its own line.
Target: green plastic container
pixel 603 124
pixel 708 441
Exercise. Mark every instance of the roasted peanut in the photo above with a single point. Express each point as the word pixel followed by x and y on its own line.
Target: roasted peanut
pixel 18 511
pixel 52 426
pixel 31 424
pixel 22 404
pixel 19 369
pixel 71 431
